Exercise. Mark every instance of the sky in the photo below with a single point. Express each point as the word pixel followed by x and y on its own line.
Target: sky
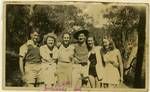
pixel 95 10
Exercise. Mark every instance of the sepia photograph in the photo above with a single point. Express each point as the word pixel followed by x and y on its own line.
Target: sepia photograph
pixel 75 46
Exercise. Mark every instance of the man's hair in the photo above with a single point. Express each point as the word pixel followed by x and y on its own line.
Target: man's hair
pixel 34 30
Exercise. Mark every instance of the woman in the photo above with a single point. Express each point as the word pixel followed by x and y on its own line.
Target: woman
pixel 113 67
pixel 64 65
pixel 49 54
pixel 95 62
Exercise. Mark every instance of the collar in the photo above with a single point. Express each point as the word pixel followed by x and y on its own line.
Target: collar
pixel 54 48
pixel 62 46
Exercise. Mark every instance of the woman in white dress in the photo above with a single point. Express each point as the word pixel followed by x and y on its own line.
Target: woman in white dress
pixel 49 54
pixel 113 66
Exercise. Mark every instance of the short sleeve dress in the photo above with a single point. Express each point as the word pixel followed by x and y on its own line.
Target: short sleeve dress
pixel 111 72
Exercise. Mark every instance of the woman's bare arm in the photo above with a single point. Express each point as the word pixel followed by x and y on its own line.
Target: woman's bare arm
pixel 120 64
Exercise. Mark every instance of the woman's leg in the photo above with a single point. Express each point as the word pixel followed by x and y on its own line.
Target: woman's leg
pixel 50 80
pixel 97 83
pixel 105 85
pixel 112 85
pixel 92 81
pixel 101 84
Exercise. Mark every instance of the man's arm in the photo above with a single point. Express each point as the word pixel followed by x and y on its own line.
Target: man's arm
pixel 22 53
pixel 75 59
pixel 21 65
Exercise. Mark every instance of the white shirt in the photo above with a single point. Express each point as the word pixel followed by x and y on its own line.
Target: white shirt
pixel 65 54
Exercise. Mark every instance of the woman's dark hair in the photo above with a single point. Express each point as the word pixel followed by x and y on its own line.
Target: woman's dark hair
pixel 50 37
pixel 94 38
pixel 66 33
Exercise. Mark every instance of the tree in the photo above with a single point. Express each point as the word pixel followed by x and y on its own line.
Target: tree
pixel 139 82
pixel 122 22
pixel 48 18
pixel 16 26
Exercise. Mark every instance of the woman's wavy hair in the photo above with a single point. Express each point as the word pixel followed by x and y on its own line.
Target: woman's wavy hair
pixel 111 46
pixel 48 36
pixel 111 42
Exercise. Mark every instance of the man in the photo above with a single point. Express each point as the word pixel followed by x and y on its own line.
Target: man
pixel 64 68
pixel 80 59
pixel 49 54
pixel 30 56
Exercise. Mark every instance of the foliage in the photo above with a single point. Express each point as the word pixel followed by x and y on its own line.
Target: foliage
pixel 122 25
pixel 47 18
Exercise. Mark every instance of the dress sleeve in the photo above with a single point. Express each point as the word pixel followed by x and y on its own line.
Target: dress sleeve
pixel 43 53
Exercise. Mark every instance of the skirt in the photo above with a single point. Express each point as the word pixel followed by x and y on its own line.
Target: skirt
pixel 111 74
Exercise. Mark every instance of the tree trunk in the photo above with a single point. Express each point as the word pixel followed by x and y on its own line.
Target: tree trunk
pixel 141 48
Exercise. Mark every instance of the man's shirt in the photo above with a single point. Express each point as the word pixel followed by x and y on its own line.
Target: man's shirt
pixel 81 52
pixel 30 52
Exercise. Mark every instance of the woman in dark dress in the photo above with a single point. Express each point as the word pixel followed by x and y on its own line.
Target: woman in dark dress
pixel 95 62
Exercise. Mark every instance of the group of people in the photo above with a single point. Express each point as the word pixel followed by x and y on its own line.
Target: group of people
pixel 70 65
